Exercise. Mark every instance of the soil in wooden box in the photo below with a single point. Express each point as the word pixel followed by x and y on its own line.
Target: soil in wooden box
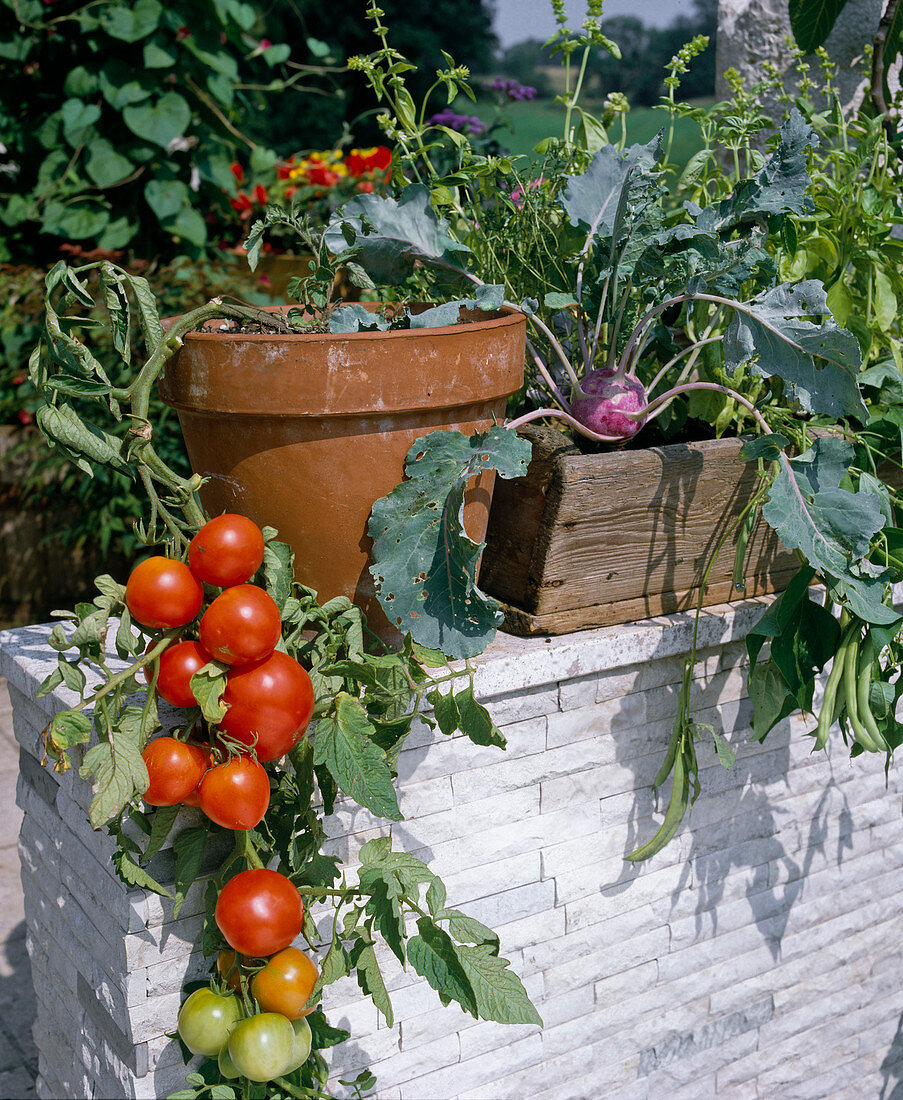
pixel 594 540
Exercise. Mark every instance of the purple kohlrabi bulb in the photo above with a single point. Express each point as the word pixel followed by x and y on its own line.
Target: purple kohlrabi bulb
pixel 607 398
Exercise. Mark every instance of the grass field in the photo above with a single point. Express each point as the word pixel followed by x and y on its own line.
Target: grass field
pixel 538 119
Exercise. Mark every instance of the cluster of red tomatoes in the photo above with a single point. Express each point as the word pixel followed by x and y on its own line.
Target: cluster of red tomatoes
pixel 268 695
pixel 259 913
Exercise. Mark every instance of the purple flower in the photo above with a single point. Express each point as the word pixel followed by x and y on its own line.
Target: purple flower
pixel 511 89
pixel 464 124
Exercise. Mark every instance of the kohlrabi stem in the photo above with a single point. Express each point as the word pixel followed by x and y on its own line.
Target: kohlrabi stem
pixel 613 343
pixel 549 380
pixel 599 319
pixel 693 351
pixel 659 403
pixel 540 324
pixel 538 414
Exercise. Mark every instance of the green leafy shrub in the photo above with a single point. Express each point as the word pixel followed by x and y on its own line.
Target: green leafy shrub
pixel 119 120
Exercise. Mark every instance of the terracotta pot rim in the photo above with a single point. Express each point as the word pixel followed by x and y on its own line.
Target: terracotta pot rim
pixel 498 319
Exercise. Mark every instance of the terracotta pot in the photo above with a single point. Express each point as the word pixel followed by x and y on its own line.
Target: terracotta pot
pixel 305 432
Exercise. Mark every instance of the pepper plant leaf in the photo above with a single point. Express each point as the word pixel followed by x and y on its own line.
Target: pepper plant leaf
pixel 819 363
pixel 813 20
pixel 424 561
pixel 391 234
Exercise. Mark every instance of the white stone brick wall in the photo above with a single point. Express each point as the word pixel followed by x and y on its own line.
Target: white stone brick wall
pixel 757 956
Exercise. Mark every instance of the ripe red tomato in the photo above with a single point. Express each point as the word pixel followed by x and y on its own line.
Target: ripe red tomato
pixel 193 798
pixel 162 593
pixel 259 912
pixel 178 663
pixel 285 983
pixel 236 794
pixel 228 550
pixel 175 769
pixel 229 971
pixel 241 625
pixel 273 699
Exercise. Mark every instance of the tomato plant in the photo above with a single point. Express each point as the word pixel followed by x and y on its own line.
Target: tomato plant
pixel 178 663
pixel 285 983
pixel 206 1019
pixel 235 794
pixel 262 1047
pixel 162 593
pixel 241 626
pixel 269 703
pixel 175 768
pixel 259 912
pixel 227 550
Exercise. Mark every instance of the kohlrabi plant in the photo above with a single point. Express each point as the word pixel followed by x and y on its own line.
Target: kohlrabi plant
pixel 648 304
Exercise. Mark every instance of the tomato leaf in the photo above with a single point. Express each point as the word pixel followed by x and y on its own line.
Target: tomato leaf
pixel 118 773
pixel 133 875
pixel 189 848
pixel 434 956
pixel 425 563
pixel 370 979
pixel 164 818
pixel 207 686
pixel 276 571
pixel 475 721
pixel 499 992
pixel 324 1035
pixel 343 745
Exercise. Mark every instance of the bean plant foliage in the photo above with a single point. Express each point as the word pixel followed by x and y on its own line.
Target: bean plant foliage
pixel 367 699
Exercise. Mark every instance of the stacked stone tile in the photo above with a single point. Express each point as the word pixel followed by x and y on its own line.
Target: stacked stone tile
pixel 758 955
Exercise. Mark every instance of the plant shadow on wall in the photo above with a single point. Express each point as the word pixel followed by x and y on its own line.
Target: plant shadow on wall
pixel 892 1067
pixel 18 1010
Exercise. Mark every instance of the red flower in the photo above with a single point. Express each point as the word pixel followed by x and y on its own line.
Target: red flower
pixel 289 191
pixel 260 193
pixel 366 186
pixel 285 170
pixel 183 32
pixel 25 417
pixel 237 171
pixel 243 205
pixel 361 161
pixel 19 379
pixel 320 175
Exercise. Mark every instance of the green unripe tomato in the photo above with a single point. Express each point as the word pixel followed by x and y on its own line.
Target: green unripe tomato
pixel 205 1021
pixel 302 1044
pixel 226 1065
pixel 262 1046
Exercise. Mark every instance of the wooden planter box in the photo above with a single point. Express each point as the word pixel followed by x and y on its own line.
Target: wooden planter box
pixel 595 540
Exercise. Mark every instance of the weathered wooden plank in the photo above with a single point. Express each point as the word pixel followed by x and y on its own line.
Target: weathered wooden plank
pixel 602 539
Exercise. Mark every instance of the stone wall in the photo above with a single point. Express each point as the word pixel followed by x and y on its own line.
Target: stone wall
pixel 751 32
pixel 758 955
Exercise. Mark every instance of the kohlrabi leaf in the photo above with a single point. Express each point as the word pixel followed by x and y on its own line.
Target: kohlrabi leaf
pixel 449 313
pixel 354 318
pixel 390 234
pixel 819 363
pixel 424 561
pixel 591 199
pixel 779 187
pixel 831 526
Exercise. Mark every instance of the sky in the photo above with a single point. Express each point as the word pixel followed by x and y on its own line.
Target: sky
pixel 516 20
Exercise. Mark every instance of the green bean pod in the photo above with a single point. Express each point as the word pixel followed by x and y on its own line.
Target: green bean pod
pixel 850 672
pixel 677 807
pixel 828 706
pixel 863 691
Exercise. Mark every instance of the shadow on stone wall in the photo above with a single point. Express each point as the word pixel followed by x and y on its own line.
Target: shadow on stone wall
pixel 18 1009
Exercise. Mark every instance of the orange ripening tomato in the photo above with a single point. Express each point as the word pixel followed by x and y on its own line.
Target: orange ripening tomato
pixel 161 593
pixel 227 550
pixel 285 983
